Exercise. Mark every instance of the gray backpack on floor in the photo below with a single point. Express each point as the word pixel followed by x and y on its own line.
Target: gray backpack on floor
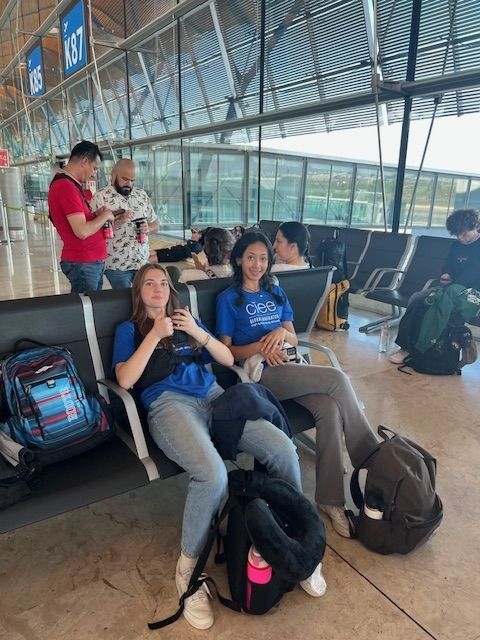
pixel 399 508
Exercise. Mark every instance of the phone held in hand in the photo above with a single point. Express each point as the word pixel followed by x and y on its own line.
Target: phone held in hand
pixel 118 212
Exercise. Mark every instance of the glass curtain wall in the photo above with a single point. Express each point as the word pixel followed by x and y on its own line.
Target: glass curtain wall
pixel 167 83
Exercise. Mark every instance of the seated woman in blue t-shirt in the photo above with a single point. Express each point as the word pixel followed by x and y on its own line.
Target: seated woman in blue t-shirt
pixel 255 317
pixel 177 390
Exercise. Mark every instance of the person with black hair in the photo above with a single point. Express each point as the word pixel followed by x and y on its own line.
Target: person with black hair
pixel 462 267
pixel 254 317
pixel 218 247
pixel 291 246
pixel 84 250
pixel 181 251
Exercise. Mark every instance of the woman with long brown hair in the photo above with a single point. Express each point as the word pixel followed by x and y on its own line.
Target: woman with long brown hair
pixel 177 390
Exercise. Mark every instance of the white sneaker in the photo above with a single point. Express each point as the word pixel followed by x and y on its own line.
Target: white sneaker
pixel 197 608
pixel 315 585
pixel 338 518
pixel 398 357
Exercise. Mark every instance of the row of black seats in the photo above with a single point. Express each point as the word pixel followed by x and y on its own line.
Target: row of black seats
pixel 86 325
pixel 385 267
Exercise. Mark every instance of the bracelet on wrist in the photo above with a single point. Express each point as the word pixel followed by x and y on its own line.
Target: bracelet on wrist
pixel 207 340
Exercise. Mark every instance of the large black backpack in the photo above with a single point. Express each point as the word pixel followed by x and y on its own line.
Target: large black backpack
pixel 282 525
pixel 333 252
pixel 399 508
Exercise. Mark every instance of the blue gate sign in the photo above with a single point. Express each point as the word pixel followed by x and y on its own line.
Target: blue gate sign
pixel 74 39
pixel 36 75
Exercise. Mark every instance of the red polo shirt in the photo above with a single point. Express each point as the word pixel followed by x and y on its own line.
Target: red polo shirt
pixel 64 200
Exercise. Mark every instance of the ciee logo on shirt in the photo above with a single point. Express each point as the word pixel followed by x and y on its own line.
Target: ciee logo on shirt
pixel 252 308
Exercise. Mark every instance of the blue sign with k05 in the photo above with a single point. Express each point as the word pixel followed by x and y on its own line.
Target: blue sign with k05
pixel 74 39
pixel 36 75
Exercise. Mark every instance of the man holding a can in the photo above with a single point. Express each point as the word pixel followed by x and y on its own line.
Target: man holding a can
pixel 134 219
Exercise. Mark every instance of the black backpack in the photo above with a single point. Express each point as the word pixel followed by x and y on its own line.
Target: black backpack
pixel 282 525
pixel 443 358
pixel 399 508
pixel 333 252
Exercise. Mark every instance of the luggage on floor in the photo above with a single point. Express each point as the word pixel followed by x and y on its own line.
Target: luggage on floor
pixel 399 508
pixel 334 313
pixel 450 351
pixel 285 530
pixel 46 407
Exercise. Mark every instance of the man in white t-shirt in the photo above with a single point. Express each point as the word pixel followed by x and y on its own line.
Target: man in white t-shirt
pixel 134 220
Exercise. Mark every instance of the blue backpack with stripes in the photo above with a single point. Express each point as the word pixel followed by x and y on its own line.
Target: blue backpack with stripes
pixel 45 406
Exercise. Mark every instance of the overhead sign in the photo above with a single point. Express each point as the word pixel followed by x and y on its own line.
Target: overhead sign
pixel 4 159
pixel 74 39
pixel 36 74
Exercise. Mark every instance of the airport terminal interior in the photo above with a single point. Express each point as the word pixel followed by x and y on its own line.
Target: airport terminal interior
pixel 215 101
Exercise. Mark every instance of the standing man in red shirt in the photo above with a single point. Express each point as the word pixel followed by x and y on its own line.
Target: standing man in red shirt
pixel 84 252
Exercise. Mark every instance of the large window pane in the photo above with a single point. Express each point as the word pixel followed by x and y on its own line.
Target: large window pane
pixel 316 192
pixel 441 204
pixel 364 197
pixel 340 195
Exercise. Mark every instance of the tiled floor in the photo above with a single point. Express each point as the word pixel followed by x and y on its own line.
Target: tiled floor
pixel 103 571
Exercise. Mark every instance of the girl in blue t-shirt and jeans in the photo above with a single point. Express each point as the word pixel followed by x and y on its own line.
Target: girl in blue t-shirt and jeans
pixel 177 390
pixel 255 317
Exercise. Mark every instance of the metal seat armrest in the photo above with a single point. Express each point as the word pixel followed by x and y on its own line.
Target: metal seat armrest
pixel 377 275
pixel 429 283
pixel 326 350
pixel 132 415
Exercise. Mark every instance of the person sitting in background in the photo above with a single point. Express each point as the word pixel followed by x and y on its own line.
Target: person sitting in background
pixel 218 247
pixel 461 267
pixel 238 231
pixel 178 391
pixel 180 251
pixel 254 318
pixel 291 247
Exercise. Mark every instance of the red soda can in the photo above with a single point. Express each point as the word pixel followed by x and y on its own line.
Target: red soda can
pixel 141 235
pixel 108 230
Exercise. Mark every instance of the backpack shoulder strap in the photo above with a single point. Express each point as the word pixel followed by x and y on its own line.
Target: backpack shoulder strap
pixel 197 579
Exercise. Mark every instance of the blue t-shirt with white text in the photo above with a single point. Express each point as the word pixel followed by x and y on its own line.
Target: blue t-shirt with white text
pixel 257 314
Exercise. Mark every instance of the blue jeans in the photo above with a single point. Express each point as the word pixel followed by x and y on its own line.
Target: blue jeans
pixel 120 279
pixel 84 276
pixel 180 425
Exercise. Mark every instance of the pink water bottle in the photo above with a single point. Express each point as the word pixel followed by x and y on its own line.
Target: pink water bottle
pixel 258 572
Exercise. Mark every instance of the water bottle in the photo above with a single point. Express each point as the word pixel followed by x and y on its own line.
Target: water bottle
pixel 384 338
pixel 373 511
pixel 258 572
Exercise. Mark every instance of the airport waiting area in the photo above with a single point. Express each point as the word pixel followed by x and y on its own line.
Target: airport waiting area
pixel 201 195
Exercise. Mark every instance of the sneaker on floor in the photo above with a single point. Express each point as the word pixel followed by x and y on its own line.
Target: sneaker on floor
pixel 197 608
pixel 315 585
pixel 398 357
pixel 338 518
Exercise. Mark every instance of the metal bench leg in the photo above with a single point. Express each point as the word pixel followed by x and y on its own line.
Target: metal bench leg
pixel 376 325
pixel 306 440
